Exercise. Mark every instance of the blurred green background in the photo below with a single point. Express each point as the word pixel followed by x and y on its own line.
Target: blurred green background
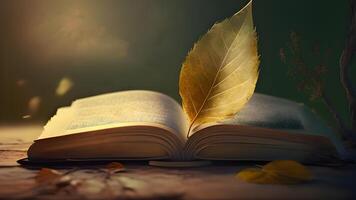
pixel 105 46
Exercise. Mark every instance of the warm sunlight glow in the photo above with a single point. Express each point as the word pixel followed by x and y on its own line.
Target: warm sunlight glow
pixel 74 33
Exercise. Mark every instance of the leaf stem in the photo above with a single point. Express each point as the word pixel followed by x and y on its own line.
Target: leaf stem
pixel 190 127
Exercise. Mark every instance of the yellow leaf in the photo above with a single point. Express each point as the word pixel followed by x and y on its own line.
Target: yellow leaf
pixel 220 73
pixel 34 104
pixel 256 175
pixel 46 175
pixel 288 168
pixel 277 172
pixel 64 85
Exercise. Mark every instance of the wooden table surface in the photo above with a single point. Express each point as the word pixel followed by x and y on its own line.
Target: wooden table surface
pixel 141 181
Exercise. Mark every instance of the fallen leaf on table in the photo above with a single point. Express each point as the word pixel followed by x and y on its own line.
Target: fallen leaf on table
pixel 46 175
pixel 289 168
pixel 115 167
pixel 220 73
pixel 277 172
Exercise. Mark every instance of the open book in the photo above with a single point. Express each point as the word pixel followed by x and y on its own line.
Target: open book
pixel 146 125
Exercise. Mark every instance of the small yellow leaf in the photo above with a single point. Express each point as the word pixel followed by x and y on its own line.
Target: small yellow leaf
pixel 115 167
pixel 220 73
pixel 64 85
pixel 46 175
pixel 251 175
pixel 34 104
pixel 277 172
pixel 289 168
pixel 26 116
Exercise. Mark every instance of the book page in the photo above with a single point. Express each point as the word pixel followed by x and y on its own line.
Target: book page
pixel 269 112
pixel 133 107
pixel 264 111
